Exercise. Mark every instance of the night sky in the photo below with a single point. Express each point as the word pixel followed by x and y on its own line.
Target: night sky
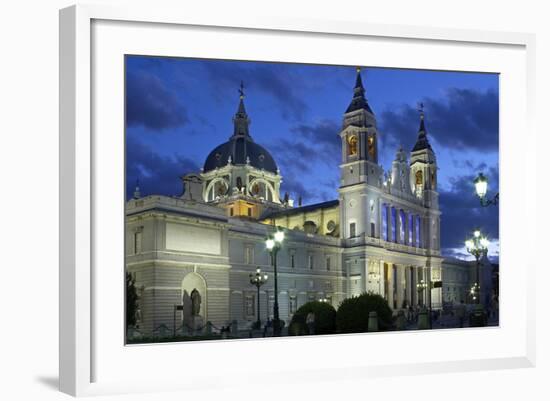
pixel 178 110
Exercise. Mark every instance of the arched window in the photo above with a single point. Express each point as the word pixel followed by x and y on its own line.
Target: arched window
pixel 352 145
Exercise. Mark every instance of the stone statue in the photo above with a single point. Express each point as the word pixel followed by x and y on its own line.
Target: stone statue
pixel 195 302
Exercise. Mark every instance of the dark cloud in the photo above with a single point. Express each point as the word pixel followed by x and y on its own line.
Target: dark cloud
pixel 461 212
pixel 464 119
pixel 157 174
pixel 311 146
pixel 278 82
pixel 149 103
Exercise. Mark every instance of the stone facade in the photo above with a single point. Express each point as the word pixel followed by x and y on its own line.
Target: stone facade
pixel 381 234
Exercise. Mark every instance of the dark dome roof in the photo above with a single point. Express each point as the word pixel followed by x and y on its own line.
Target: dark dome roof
pixel 239 148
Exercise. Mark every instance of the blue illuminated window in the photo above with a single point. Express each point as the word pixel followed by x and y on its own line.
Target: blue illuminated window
pixel 402 221
pixel 385 222
pixel 393 222
pixel 417 227
pixel 411 224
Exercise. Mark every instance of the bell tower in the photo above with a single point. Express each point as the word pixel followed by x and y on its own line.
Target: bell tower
pixel 359 137
pixel 423 179
pixel 423 176
pixel 359 168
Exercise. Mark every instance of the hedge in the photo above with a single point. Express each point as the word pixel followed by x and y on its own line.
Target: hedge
pixel 353 313
pixel 325 319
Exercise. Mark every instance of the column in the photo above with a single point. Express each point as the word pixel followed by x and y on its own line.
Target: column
pixel 381 279
pixel 366 287
pixel 400 285
pixel 408 283
pixel 429 288
pixel 416 294
pixel 390 284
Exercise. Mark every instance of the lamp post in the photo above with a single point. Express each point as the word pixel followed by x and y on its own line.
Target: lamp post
pixel 481 184
pixel 477 246
pixel 258 280
pixel 420 287
pixel 424 315
pixel 273 244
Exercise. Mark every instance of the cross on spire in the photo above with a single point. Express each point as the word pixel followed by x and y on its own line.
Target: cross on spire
pixel 421 109
pixel 241 90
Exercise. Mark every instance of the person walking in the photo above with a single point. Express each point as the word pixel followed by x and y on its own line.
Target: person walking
pixel 461 313
pixel 310 322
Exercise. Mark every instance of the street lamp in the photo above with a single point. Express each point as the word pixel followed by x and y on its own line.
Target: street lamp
pixel 273 244
pixel 258 280
pixel 481 184
pixel 424 323
pixel 477 246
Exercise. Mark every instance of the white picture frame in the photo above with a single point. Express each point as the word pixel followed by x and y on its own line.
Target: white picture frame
pixel 85 355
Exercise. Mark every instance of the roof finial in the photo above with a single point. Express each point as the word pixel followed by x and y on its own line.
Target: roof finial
pixel 241 90
pixel 421 110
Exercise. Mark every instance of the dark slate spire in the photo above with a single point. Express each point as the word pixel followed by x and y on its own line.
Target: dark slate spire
pixel 241 120
pixel 359 102
pixel 422 141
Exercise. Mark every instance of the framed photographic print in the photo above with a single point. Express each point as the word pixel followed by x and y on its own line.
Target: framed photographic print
pixel 279 187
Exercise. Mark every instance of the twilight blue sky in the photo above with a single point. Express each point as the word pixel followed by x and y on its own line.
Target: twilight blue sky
pixel 178 110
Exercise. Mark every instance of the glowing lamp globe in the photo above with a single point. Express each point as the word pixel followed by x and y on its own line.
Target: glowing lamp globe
pixel 481 185
pixel 269 244
pixel 279 236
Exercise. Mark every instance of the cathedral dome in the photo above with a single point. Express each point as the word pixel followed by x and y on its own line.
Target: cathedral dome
pixel 242 150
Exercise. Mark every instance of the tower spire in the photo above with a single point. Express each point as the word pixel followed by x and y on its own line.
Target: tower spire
pixel 241 120
pixel 422 140
pixel 358 101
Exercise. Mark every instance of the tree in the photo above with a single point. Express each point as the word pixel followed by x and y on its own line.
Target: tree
pixel 131 299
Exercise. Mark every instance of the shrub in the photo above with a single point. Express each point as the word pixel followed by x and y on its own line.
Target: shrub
pixel 353 313
pixel 325 319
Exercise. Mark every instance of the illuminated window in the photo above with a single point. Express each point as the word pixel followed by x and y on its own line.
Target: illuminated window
pixel 411 224
pixel 402 221
pixel 417 227
pixel 385 222
pixel 352 145
pixel 393 223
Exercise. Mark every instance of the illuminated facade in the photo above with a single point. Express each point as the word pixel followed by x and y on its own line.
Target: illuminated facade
pixel 382 234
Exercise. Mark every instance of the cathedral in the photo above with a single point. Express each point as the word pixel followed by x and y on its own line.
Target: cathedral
pixel 192 255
